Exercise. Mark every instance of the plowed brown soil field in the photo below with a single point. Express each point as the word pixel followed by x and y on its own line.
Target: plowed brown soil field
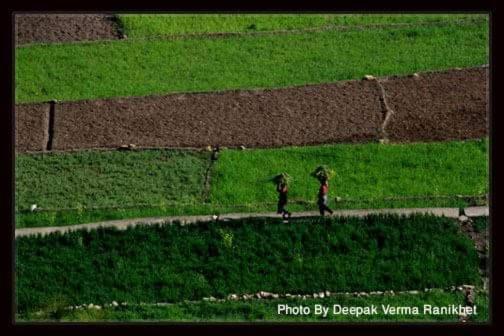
pixel 40 28
pixel 31 127
pixel 438 106
pixel 433 106
pixel 342 112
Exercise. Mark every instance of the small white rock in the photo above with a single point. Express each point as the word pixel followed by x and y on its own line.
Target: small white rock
pixel 33 207
pixel 115 304
pixel 463 218
pixel 233 297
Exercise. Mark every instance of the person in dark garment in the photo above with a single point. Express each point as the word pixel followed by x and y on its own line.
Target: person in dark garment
pixel 282 199
pixel 323 197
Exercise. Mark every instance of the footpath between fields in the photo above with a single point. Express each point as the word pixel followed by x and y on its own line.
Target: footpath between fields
pixel 123 224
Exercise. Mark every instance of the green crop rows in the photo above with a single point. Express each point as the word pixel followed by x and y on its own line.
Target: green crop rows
pixel 363 172
pixel 155 25
pixel 172 263
pixel 168 182
pixel 85 71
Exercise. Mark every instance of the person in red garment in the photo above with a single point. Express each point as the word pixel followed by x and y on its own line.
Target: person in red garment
pixel 323 197
pixel 282 190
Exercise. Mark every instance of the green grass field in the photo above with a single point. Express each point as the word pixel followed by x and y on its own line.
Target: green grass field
pixel 171 182
pixel 363 172
pixel 109 178
pixel 137 68
pixel 262 311
pixel 173 263
pixel 152 25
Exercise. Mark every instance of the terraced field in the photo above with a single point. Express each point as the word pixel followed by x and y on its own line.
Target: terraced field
pixel 397 105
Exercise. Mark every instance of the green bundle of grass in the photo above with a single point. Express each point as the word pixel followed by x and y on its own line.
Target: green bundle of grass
pixel 323 173
pixel 281 178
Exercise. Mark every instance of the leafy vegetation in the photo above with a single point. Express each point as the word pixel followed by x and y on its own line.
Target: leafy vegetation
pixel 323 173
pixel 109 178
pixel 172 263
pixel 257 311
pixel 165 182
pixel 366 172
pixel 480 224
pixel 154 25
pixel 143 67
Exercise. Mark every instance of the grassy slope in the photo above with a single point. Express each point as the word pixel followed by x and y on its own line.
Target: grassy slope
pixel 172 263
pixel 147 25
pixel 363 172
pixel 109 178
pixel 171 182
pixel 258 311
pixel 136 68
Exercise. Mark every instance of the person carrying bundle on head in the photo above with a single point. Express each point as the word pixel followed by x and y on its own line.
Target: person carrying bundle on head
pixel 322 174
pixel 323 198
pixel 282 190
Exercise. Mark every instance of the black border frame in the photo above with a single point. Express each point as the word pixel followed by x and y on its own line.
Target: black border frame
pixel 7 171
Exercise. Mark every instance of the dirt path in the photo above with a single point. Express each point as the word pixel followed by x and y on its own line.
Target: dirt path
pixel 125 223
pixel 444 105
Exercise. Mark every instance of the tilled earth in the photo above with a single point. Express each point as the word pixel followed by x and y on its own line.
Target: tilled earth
pixel 434 106
pixel 31 127
pixel 343 112
pixel 438 106
pixel 41 28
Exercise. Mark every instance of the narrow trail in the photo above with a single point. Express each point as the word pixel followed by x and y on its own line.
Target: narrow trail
pixel 123 224
pixel 386 110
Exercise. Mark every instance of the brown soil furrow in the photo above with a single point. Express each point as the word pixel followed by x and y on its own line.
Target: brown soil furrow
pixel 434 106
pixel 41 28
pixel 32 124
pixel 449 105
pixel 342 112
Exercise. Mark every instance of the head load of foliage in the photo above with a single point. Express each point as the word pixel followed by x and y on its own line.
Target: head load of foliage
pixel 282 178
pixel 172 263
pixel 323 173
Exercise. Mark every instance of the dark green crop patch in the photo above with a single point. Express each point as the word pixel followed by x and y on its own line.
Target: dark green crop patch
pixel 173 263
